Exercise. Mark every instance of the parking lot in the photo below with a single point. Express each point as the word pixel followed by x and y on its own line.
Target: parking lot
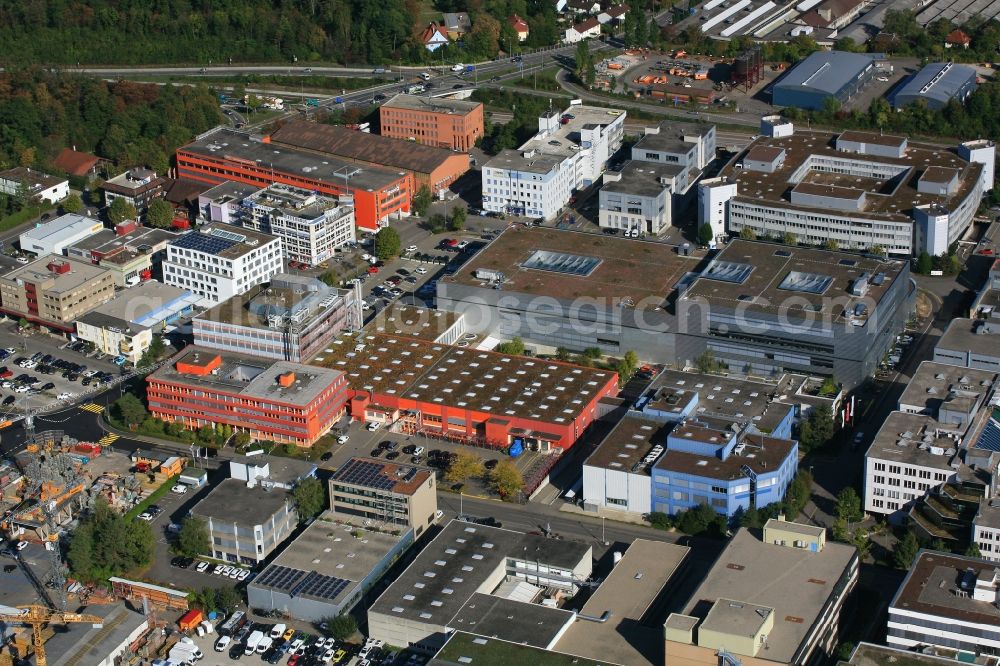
pixel 42 371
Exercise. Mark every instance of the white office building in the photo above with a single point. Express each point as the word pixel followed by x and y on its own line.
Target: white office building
pixel 569 152
pixel 639 197
pixel 219 261
pixel 310 226
pixel 924 444
pixel 858 190
pixel 713 196
pixel 986 529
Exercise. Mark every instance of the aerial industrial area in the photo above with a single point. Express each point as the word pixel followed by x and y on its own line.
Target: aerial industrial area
pixel 560 332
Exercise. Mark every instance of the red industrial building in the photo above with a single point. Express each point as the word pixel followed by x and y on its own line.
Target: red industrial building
pixel 226 155
pixel 273 400
pixel 468 395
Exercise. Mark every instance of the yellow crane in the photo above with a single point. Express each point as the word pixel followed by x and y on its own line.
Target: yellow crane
pixel 37 617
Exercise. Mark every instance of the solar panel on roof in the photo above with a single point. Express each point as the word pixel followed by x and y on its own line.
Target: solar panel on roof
pixel 228 235
pixel 364 473
pixel 320 586
pixel 989 438
pixel 203 243
pixel 280 578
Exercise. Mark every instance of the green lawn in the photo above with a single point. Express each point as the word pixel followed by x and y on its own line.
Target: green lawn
pixel 152 499
pixel 19 218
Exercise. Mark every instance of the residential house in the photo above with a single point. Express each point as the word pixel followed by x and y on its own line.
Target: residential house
pixel 520 26
pixel 583 6
pixel 957 38
pixel 434 37
pixel 457 24
pixel 582 31
pixel 614 16
pixel 78 164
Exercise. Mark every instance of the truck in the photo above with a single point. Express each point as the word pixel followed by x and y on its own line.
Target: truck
pixel 253 640
pixel 233 624
pixel 413 90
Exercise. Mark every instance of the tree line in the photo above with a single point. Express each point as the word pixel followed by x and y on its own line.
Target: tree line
pixel 43 111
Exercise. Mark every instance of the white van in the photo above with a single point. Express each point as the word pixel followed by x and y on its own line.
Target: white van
pixel 223 643
pixel 264 645
pixel 253 641
pixel 277 631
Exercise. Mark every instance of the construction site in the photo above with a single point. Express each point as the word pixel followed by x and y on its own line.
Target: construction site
pixel 44 492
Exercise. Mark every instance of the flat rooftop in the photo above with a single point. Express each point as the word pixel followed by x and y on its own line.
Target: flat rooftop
pixel 736 617
pixel 517 621
pixel 625 447
pixel 469 649
pixel 456 564
pixel 144 301
pixel 514 160
pixel 132 180
pixel 869 654
pixel 82 643
pixel 298 203
pixel 223 240
pixel 431 104
pixel 63 227
pixel 326 561
pixel 225 144
pixel 412 321
pixel 721 400
pixel 450 376
pixel 913 439
pixel 988 514
pixel 932 383
pixel 249 376
pixel 642 178
pixel 627 593
pixel 670 137
pixel 228 191
pixel 308 298
pixel 279 469
pixel 142 239
pixel 752 276
pixel 232 502
pixel 795 582
pixel 963 335
pixel 381 475
pixel 629 271
pixel 931 584
pixel 760 453
pixel 891 199
pixel 79 274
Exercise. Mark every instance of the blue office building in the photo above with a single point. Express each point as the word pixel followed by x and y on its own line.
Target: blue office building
pixel 729 469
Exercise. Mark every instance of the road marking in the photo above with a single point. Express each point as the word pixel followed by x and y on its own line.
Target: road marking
pixel 108 439
pixel 92 407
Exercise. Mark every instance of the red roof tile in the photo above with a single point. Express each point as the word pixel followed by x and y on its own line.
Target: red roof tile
pixel 75 163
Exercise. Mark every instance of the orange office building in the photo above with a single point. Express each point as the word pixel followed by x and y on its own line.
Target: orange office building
pixel 437 168
pixel 225 155
pixel 445 123
pixel 280 401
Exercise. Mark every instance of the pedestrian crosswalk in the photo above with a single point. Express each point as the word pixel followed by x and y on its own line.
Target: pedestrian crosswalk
pixel 92 407
pixel 108 439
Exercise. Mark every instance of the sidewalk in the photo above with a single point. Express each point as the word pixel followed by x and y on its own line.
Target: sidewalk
pixel 602 512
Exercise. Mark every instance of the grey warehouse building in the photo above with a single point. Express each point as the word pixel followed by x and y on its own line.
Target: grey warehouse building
pixel 825 74
pixel 327 569
pixel 937 84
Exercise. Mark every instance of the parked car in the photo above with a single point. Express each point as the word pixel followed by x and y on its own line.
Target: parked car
pixel 179 489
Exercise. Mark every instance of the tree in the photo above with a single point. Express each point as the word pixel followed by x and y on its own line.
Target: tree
pixel 242 439
pixel 905 551
pixel 72 204
pixel 130 410
pixel 436 223
pixel 457 220
pixel 829 387
pixel 341 627
pixel 877 250
pixel 706 362
pixel 23 323
pixel 121 210
pixel 464 466
pixel 924 264
pixel 330 278
pixel 789 238
pixel 700 519
pixel 659 520
pixel 593 353
pixel 849 505
pixel 513 347
pixel 387 243
pixel 817 429
pixel 309 497
pixel 228 599
pixel 206 434
pixel 798 495
pixel 159 214
pixel 505 479
pixel 422 200
pixel 563 354
pixel 973 550
pixel 831 244
pixel 193 539
pixel 106 544
pixel 746 233
pixel 627 366
pixel 705 234
pixel 153 352
pixel 581 60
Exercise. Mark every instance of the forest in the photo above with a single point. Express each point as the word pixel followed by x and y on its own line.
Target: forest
pixel 207 32
pixel 42 112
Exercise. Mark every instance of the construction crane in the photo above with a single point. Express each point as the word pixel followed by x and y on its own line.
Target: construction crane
pixel 37 617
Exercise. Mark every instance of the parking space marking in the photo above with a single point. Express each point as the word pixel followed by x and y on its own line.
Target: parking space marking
pixel 92 407
pixel 108 439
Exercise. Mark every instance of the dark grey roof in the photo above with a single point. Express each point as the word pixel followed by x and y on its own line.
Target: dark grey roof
pixel 232 502
pixel 516 621
pixel 827 71
pixel 938 81
pixel 84 644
